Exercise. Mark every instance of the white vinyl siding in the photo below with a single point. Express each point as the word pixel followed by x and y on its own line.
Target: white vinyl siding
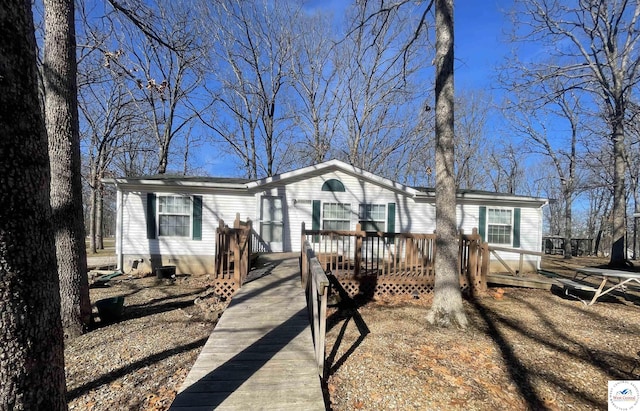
pixel 214 207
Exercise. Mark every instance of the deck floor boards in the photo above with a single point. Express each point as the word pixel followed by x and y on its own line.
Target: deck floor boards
pixel 260 355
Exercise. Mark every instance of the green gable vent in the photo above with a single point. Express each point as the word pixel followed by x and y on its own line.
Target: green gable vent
pixel 333 185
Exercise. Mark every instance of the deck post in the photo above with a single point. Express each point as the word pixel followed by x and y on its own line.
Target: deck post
pixel 249 234
pixel 358 250
pixel 486 262
pixel 521 265
pixel 461 260
pixel 304 259
pixel 235 240
pixel 475 274
pixel 323 327
pixel 219 258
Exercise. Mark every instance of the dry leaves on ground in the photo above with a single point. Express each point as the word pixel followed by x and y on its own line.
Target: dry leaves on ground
pixel 526 349
pixel 139 362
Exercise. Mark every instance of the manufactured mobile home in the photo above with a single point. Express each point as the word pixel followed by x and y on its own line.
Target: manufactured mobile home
pixel 173 220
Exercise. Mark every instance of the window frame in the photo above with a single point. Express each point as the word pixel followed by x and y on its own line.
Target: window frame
pixel 160 213
pixel 490 224
pixel 364 218
pixel 346 208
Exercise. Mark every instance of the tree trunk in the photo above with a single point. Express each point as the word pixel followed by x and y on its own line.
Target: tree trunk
pixel 567 225
pixel 447 308
pixel 61 116
pixel 31 337
pixel 99 217
pixel 92 220
pixel 618 252
pixel 163 159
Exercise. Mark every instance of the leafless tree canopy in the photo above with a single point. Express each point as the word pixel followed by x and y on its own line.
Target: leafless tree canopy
pixel 261 87
pixel 589 49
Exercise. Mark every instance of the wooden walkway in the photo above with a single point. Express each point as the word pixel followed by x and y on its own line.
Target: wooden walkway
pixel 260 355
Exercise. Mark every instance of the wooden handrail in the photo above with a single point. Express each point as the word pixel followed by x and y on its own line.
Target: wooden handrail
pixel 316 285
pixel 516 250
pixel 521 252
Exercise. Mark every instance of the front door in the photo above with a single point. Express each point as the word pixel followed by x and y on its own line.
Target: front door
pixel 272 223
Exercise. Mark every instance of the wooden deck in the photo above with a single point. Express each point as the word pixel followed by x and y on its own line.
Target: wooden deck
pixel 260 354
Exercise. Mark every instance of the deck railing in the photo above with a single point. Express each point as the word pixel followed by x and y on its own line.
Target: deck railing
pixel 521 253
pixel 393 262
pixel 316 284
pixel 233 250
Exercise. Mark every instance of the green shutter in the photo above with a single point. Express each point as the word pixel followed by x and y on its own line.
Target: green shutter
pixel 315 219
pixel 482 223
pixel 197 218
pixel 150 216
pixel 516 228
pixel 391 219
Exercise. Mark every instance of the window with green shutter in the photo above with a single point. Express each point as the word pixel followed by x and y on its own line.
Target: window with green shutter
pixel 173 216
pixel 502 226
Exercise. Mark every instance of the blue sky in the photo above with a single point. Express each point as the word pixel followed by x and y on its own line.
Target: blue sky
pixel 479 46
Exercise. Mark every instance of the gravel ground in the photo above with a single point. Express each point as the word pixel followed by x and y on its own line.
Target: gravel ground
pixel 139 362
pixel 526 349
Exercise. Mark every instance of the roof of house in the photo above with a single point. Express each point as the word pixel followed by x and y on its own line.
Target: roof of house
pixel 232 183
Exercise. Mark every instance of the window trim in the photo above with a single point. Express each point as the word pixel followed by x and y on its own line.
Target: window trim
pixel 511 225
pixel 323 218
pixel 382 222
pixel 189 214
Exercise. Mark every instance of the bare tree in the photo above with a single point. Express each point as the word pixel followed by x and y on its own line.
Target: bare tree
pixel 594 45
pixel 314 76
pixel 447 308
pixel 163 67
pixel 529 120
pixel 382 85
pixel 109 118
pixel 252 60
pixel 504 167
pixel 61 115
pixel 31 336
pixel 471 143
